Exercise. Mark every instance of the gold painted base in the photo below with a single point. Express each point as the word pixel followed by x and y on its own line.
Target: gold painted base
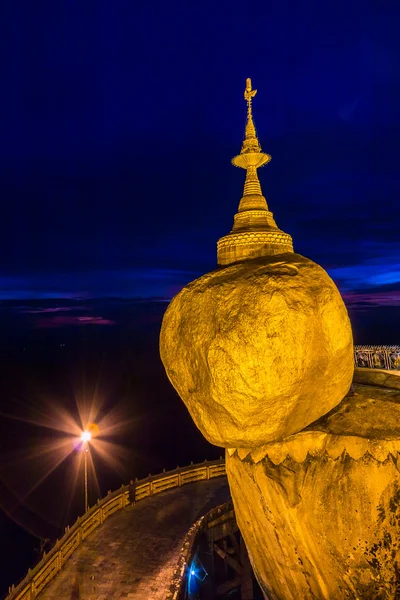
pixel 320 511
pixel 240 246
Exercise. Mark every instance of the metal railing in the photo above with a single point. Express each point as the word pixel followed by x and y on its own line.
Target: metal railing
pixel 377 357
pixel 52 562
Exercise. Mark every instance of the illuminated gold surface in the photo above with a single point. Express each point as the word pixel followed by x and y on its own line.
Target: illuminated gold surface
pixel 258 350
pixel 254 232
pixel 320 511
pixel 379 377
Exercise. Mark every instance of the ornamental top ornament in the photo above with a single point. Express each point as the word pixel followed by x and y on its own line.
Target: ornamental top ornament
pixel 250 145
pixel 254 232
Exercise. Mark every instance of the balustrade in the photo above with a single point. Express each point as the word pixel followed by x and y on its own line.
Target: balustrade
pixel 52 562
pixel 377 357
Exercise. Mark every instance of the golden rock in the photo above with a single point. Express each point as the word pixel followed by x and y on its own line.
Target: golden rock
pixel 320 511
pixel 259 349
pixel 261 352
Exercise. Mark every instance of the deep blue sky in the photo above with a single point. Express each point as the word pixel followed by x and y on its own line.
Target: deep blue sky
pixel 119 120
pixel 118 123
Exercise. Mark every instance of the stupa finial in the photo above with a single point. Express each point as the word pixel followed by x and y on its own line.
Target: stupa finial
pixel 250 135
pixel 254 232
pixel 251 145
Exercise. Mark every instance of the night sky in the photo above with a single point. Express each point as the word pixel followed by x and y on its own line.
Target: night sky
pixel 119 120
pixel 118 124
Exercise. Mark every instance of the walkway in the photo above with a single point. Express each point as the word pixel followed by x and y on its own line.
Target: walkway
pixel 135 552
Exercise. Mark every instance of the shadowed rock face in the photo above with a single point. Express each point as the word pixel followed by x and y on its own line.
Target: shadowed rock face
pixel 320 510
pixel 258 350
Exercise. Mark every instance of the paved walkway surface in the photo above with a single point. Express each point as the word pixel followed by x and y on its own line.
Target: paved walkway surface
pixel 135 552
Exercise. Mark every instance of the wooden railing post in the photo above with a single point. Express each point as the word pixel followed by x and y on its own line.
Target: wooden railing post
pixel 79 531
pixel 101 515
pixel 59 556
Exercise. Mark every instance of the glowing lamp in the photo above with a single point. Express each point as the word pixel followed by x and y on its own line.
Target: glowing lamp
pixel 86 436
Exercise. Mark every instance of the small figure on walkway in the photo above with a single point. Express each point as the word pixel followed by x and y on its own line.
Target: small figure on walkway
pixel 132 492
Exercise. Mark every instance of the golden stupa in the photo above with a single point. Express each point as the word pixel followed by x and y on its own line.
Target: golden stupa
pixel 261 352
pixel 254 231
pixel 262 346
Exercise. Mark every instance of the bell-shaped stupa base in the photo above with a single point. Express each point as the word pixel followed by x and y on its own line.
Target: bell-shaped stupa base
pixel 245 245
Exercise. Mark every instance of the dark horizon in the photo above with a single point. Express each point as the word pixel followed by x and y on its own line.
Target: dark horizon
pixel 25 322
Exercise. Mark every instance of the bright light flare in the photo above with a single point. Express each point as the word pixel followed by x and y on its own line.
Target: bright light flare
pixel 86 436
pixel 71 432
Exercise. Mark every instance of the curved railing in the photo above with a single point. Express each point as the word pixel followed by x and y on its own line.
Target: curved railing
pixel 52 562
pixel 223 512
pixel 377 357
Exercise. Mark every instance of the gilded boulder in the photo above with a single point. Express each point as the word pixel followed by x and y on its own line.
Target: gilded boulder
pixel 258 350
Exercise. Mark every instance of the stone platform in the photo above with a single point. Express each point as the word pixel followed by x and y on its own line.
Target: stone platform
pixel 135 552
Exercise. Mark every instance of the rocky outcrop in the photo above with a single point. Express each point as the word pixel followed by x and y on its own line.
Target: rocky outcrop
pixel 320 511
pixel 258 350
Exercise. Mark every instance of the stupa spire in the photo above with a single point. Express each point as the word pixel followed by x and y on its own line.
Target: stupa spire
pixel 250 135
pixel 254 232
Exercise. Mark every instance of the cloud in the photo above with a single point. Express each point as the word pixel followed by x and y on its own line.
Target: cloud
pixel 380 267
pixel 384 278
pixel 371 299
pixel 363 276
pixel 54 309
pixel 68 321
